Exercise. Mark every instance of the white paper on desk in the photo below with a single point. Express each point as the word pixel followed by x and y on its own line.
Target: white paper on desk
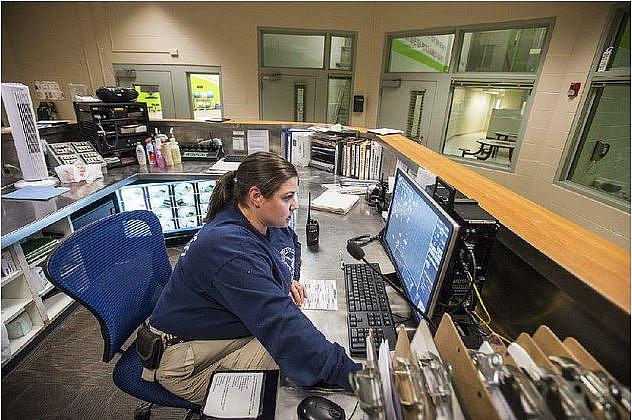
pixel 384 364
pixel 351 189
pixel 385 131
pixel 234 395
pixel 321 294
pixel 221 167
pixel 335 202
pixel 337 128
pixel 258 141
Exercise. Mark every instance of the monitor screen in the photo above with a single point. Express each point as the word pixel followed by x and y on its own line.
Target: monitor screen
pixel 419 238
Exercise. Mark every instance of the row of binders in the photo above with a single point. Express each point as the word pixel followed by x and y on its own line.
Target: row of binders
pixel 537 376
pixel 341 153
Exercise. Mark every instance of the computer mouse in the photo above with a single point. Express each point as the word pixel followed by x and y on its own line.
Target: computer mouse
pixel 319 408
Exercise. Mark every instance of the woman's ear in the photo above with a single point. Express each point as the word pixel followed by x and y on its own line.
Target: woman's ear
pixel 255 197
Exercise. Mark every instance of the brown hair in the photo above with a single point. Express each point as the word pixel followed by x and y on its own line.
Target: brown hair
pixel 265 170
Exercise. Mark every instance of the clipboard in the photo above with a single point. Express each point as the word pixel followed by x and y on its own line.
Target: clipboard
pixel 268 393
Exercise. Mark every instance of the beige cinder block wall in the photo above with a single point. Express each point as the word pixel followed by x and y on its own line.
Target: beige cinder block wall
pixel 576 33
pixel 78 42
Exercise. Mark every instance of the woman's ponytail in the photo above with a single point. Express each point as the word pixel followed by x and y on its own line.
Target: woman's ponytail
pixel 223 193
pixel 264 170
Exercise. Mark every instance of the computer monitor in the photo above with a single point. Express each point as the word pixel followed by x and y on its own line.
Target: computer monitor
pixel 419 238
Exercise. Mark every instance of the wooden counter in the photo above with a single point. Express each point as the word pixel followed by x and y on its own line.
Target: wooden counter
pixel 597 262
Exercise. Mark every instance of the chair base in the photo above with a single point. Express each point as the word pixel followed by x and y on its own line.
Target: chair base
pixel 143 411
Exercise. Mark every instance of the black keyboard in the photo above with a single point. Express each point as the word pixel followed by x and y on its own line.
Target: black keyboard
pixel 234 158
pixel 368 308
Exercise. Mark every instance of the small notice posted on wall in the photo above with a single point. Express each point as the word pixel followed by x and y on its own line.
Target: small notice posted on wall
pixel 258 141
pixel 47 90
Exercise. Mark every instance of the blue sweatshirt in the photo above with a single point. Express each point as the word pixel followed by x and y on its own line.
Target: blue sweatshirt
pixel 231 282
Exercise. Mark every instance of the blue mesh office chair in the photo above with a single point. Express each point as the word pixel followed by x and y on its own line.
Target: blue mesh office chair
pixel 117 267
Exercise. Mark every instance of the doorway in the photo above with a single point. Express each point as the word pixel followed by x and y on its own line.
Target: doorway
pixel 288 97
pixel 187 92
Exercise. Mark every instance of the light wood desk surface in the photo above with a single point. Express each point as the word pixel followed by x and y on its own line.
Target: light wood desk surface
pixel 600 264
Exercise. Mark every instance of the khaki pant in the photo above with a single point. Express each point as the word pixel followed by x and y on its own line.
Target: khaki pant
pixel 186 368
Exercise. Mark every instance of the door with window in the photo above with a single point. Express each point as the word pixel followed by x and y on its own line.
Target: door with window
pixel 154 88
pixel 407 105
pixel 305 75
pixel 287 97
pixel 413 92
pixel 188 92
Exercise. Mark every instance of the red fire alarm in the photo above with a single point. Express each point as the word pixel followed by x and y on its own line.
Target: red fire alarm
pixel 573 90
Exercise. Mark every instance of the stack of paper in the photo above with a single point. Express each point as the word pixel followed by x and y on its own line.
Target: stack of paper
pixel 335 202
pixel 385 131
pixel 221 167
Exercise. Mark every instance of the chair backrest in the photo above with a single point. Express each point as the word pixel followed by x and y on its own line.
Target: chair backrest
pixel 116 267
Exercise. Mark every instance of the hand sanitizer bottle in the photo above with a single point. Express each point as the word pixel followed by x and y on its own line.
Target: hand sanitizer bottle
pixel 160 161
pixel 151 157
pixel 175 149
pixel 140 154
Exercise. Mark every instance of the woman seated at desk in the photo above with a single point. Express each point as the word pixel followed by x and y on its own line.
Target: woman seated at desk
pixel 232 302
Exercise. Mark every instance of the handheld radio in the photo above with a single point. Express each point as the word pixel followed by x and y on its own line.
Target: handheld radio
pixel 312 229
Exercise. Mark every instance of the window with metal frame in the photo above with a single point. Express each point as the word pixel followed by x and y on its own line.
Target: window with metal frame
pixel 420 53
pixel 598 159
pixel 326 57
pixel 293 50
pixel 490 92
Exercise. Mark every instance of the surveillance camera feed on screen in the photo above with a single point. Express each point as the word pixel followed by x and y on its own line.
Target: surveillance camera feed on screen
pixel 419 237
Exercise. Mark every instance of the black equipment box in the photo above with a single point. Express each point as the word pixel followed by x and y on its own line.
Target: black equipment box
pixel 113 128
pixel 471 253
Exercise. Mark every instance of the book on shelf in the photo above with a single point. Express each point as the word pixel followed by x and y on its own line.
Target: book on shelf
pixel 341 154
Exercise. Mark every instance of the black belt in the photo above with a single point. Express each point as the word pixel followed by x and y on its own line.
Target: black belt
pixel 168 339
pixel 173 341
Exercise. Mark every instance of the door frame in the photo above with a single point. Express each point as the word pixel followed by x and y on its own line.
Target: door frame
pixel 179 83
pixel 296 73
pixel 321 74
pixel 442 83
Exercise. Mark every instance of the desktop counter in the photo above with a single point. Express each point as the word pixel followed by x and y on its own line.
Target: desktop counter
pixel 545 270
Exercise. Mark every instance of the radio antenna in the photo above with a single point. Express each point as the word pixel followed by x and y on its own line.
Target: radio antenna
pixel 309 206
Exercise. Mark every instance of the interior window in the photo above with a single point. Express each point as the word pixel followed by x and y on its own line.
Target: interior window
pixel 505 50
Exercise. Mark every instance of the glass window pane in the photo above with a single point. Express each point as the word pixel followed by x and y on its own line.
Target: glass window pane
pixel 602 160
pixel 205 96
pixel 622 45
pixel 338 104
pixel 428 53
pixel 302 51
pixel 341 52
pixel 484 123
pixel 506 50
pixel 150 94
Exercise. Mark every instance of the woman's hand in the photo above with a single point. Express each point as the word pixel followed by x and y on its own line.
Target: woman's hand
pixel 298 292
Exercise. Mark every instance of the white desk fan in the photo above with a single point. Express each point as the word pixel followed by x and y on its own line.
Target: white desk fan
pixel 19 109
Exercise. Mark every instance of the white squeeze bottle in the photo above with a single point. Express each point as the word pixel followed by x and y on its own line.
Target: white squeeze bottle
pixel 166 151
pixel 175 149
pixel 140 154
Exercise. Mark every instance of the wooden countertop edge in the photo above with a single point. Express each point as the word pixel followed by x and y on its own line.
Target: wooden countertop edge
pixel 600 264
